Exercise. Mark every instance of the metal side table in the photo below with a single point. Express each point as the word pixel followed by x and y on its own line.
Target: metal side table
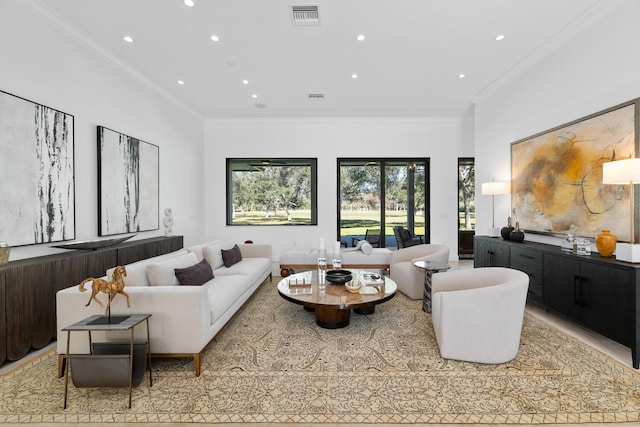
pixel 429 268
pixel 124 322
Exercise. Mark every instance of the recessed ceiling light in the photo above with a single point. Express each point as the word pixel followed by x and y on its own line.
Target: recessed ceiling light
pixel 500 37
pixel 215 38
pixel 360 37
pixel 128 39
pixel 254 96
pixel 180 82
pixel 245 82
pixel 354 76
pixel 462 76
pixel 189 3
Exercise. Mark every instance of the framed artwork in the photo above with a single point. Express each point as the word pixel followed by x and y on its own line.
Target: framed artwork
pixel 37 187
pixel 128 184
pixel 556 176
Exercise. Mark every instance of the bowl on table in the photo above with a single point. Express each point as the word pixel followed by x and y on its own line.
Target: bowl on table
pixel 353 286
pixel 338 277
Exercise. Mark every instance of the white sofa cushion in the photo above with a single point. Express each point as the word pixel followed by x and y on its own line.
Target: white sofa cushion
pixel 162 273
pixel 222 291
pixel 213 253
pixel 251 267
pixel 137 271
pixel 197 249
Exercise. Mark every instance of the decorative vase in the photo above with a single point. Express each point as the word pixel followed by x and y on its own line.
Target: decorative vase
pixel 506 231
pixel 606 243
pixel 517 235
pixel 4 253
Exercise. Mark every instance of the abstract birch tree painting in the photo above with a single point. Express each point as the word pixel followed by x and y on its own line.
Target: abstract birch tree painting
pixel 128 183
pixel 37 200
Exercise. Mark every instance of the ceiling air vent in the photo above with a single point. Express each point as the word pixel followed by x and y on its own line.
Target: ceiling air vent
pixel 305 15
pixel 316 97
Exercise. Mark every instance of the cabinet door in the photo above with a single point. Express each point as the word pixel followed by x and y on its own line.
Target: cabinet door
pixel 499 255
pixel 606 301
pixel 490 252
pixel 480 253
pixel 530 262
pixel 562 284
pixel 30 313
pixel 3 322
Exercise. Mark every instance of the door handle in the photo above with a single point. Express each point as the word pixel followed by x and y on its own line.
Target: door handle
pixel 577 285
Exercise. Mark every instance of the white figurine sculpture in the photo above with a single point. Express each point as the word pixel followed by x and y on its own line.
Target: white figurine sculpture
pixel 168 222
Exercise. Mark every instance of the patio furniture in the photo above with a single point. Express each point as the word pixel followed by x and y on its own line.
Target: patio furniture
pixel 405 238
pixel 371 235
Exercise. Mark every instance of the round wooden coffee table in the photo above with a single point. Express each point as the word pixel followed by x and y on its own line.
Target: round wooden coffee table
pixel 333 303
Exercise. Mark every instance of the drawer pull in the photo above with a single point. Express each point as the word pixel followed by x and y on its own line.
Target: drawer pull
pixel 577 290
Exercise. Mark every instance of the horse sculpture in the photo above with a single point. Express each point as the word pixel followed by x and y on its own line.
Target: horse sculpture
pixel 114 287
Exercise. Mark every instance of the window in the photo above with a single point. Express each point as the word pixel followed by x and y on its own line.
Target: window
pixel 466 206
pixel 271 192
pixel 374 195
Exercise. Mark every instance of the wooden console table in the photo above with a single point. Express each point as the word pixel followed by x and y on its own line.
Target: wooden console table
pixel 28 288
pixel 600 293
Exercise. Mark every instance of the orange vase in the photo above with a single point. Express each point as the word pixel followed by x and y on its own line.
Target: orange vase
pixel 606 243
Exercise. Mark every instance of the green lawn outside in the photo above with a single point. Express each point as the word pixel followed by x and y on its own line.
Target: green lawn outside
pixel 356 223
pixel 298 217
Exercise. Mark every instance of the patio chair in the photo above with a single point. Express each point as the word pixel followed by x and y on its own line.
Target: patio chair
pixel 405 238
pixel 371 235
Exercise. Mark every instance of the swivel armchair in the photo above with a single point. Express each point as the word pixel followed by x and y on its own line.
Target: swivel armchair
pixel 477 313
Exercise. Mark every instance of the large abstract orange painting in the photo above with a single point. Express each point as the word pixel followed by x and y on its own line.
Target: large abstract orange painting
pixel 557 175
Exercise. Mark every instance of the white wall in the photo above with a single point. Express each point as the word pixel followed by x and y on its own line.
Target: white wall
pixel 45 65
pixel 597 69
pixel 441 140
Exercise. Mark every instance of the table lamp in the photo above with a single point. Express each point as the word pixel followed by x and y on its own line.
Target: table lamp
pixel 493 188
pixel 625 172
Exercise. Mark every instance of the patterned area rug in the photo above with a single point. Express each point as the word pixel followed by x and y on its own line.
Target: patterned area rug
pixel 272 364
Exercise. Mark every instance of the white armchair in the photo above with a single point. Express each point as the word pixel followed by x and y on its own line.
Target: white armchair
pixel 410 279
pixel 477 313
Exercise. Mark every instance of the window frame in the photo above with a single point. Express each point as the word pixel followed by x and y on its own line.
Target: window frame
pixel 382 163
pixel 311 162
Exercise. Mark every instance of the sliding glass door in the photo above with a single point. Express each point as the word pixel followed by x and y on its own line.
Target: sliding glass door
pixel 374 195
pixel 466 207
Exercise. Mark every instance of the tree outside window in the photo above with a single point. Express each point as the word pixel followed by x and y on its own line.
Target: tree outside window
pixel 271 191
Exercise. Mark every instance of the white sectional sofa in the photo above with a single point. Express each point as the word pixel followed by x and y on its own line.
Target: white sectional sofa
pixel 184 318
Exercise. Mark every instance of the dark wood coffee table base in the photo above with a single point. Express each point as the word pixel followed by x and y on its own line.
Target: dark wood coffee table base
pixel 335 318
pixel 332 318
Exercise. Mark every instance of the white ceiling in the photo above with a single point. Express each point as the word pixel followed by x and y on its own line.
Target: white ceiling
pixel 408 65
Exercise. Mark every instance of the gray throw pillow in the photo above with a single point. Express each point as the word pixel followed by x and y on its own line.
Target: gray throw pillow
pixel 197 275
pixel 231 256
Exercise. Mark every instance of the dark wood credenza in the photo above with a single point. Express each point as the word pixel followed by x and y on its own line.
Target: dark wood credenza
pixel 600 293
pixel 28 289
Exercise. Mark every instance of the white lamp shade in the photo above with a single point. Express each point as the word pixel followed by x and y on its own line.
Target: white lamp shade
pixel 491 188
pixel 621 171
